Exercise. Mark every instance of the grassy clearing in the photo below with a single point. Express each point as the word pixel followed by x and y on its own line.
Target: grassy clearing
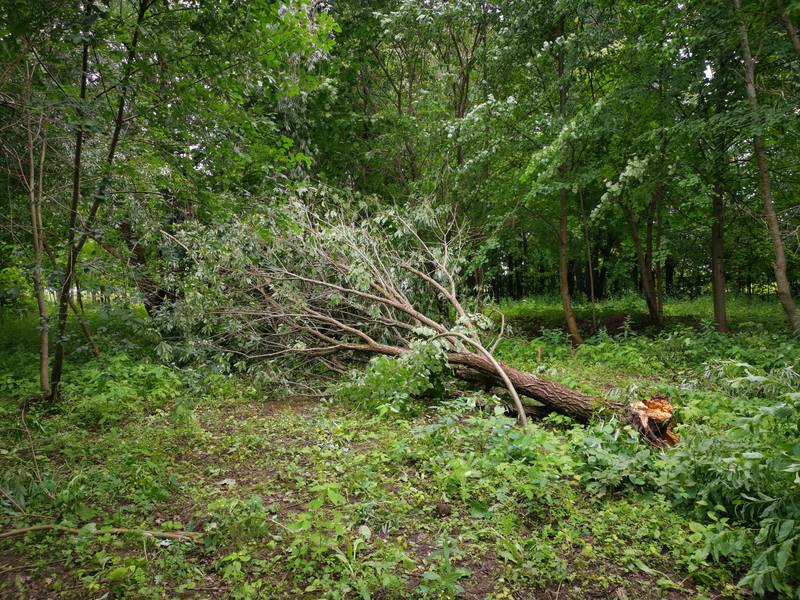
pixel 529 316
pixel 307 498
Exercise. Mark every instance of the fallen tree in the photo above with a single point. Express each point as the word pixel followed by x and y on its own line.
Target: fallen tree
pixel 328 288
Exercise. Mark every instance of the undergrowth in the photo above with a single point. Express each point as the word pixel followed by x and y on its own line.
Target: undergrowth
pixel 395 488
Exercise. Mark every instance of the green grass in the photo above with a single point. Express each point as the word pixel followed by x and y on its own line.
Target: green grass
pixel 307 498
pixel 529 316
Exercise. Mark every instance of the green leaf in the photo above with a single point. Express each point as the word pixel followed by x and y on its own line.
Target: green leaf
pixel 336 497
pixel 118 574
pixel 785 530
pixel 783 554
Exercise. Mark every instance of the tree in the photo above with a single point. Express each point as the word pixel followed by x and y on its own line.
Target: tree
pixel 335 283
pixel 132 79
pixel 765 178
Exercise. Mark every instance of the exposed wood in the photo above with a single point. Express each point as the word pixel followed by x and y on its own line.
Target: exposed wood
pixel 652 418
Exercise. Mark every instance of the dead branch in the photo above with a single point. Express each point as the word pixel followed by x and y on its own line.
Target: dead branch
pixel 172 535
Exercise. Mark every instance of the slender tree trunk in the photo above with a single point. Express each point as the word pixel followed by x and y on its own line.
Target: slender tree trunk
pixel 87 333
pixel 718 257
pixel 35 197
pixel 659 270
pixel 72 256
pixel 759 149
pixel 645 272
pixel 75 241
pixel 652 222
pixel 79 293
pixel 563 231
pixel 588 244
pixel 563 270
pixel 791 30
pixel 669 275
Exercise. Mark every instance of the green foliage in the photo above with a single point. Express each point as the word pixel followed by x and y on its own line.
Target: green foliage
pixel 735 470
pixel 394 385
pixel 334 501
pixel 233 521
pixel 442 577
pixel 605 351
pixel 610 457
pixel 103 394
pixel 736 466
pixel 14 285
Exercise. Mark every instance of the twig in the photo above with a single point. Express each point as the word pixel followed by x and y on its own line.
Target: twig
pixel 522 419
pixel 12 568
pixel 36 470
pixel 173 535
pixel 11 499
pixel 502 331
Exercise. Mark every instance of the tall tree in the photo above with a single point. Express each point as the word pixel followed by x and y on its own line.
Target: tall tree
pixel 784 288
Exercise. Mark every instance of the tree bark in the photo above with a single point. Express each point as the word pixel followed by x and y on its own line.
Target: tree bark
pixel 563 232
pixel 35 181
pixel 659 269
pixel 791 30
pixel 643 260
pixel 589 269
pixel 779 263
pixel 563 271
pixel 652 418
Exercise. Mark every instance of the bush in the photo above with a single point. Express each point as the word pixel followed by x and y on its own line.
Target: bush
pixel 394 385
pixel 742 483
pixel 106 392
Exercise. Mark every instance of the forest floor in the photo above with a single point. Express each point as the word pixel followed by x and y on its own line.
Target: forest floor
pixel 305 498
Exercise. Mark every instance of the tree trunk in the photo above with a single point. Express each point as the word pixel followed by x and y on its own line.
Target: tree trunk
pixel 779 263
pixel 72 254
pixel 563 272
pixel 669 275
pixel 718 257
pixel 589 270
pixel 35 196
pixel 791 30
pixel 563 246
pixel 652 217
pixel 659 269
pixel 652 418
pixel 645 271
pixel 87 333
pixel 75 241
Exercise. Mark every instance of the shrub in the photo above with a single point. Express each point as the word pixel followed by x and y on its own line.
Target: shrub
pixel 393 385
